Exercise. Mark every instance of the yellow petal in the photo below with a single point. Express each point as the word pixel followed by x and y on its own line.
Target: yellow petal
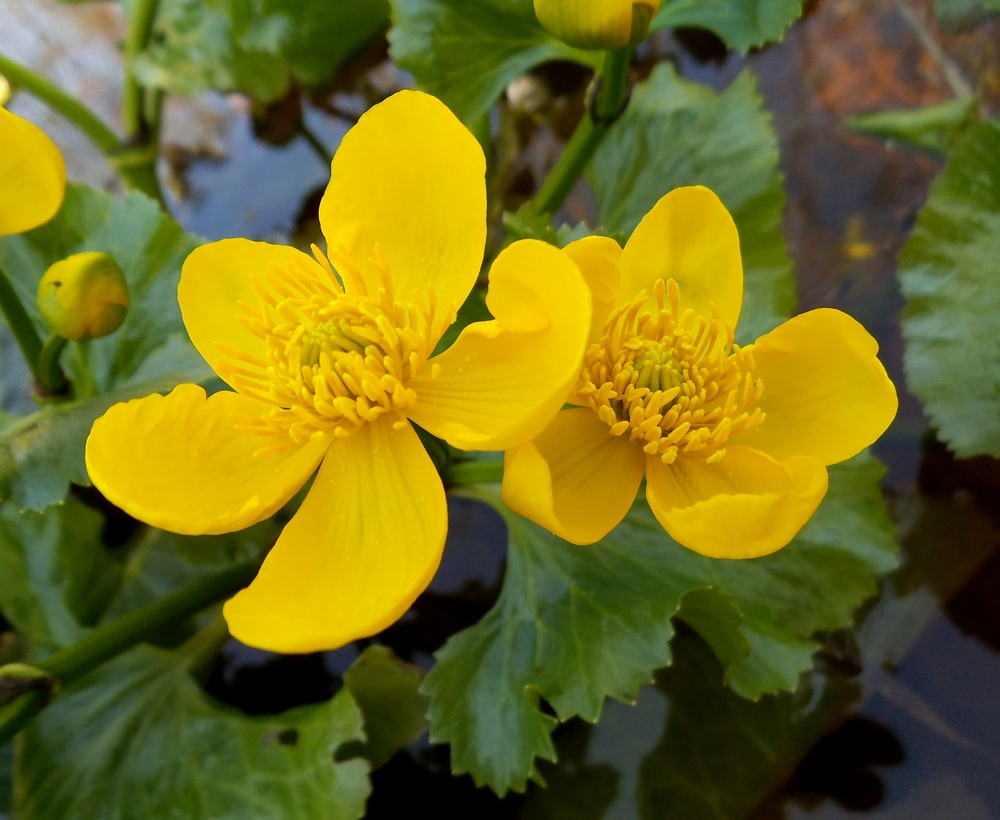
pixel 179 462
pixel 216 279
pixel 825 393
pixel 410 178
pixel 689 237
pixel 744 506
pixel 32 175
pixel 365 543
pixel 575 479
pixel 596 23
pixel 502 381
pixel 597 258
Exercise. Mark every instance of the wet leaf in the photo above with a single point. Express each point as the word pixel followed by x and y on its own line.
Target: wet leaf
pixel 948 271
pixel 139 739
pixel 690 748
pixel 387 691
pixel 676 133
pixel 57 576
pixel 576 625
pixel 466 52
pixel 42 453
pixel 933 128
pixel 257 48
pixel 742 24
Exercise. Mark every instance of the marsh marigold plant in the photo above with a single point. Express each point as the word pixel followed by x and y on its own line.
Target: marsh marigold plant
pixel 733 441
pixel 330 359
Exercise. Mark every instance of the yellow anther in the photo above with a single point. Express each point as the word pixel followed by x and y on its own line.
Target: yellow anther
pixel 334 360
pixel 675 380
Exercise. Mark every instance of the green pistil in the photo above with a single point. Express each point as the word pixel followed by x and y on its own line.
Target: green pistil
pixel 658 370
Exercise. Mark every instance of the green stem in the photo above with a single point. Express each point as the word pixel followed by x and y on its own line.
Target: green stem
pixel 314 142
pixel 84 387
pixel 109 641
pixel 608 104
pixel 81 116
pixel 50 374
pixel 140 26
pixel 20 324
pixel 472 472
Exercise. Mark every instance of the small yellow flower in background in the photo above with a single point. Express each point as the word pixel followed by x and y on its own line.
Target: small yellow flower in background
pixel 32 175
pixel 84 296
pixel 330 371
pixel 733 442
pixel 597 24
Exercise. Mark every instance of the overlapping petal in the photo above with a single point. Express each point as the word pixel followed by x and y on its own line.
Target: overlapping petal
pixel 410 178
pixel 179 462
pixel 216 279
pixel 826 394
pixel 596 23
pixel 575 479
pixel 689 237
pixel 597 257
pixel 365 543
pixel 32 175
pixel 744 506
pixel 502 381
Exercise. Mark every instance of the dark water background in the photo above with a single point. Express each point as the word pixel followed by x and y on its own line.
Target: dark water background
pixel 916 739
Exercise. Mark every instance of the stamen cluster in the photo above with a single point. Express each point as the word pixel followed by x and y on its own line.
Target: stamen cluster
pixel 335 361
pixel 672 381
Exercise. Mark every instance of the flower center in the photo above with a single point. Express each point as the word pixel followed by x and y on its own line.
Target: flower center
pixel 335 360
pixel 671 380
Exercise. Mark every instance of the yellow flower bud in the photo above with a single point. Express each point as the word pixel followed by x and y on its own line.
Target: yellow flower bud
pixel 84 296
pixel 597 24
pixel 5 91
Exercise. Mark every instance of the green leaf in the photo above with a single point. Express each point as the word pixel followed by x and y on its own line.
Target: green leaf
pixel 948 273
pixel 742 24
pixel 163 562
pixel 962 14
pixel 139 739
pixel 322 35
pixel 933 128
pixel 678 133
pixel 576 625
pixel 690 748
pixel 57 575
pixel 387 691
pixel 42 453
pixel 255 46
pixel 466 52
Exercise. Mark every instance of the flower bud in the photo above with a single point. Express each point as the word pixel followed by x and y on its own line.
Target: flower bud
pixel 84 296
pixel 5 91
pixel 597 24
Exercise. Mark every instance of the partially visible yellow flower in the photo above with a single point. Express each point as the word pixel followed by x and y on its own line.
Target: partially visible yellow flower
pixel 597 24
pixel 5 91
pixel 84 296
pixel 733 442
pixel 329 371
pixel 32 175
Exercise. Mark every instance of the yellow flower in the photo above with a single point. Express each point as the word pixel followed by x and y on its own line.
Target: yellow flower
pixel 733 442
pixel 84 296
pixel 328 372
pixel 32 175
pixel 597 24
